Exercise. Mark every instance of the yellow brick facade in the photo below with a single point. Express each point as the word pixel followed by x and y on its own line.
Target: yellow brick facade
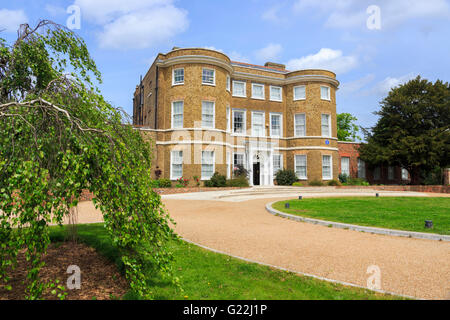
pixel 152 114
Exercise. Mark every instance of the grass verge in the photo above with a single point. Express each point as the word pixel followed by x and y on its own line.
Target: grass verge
pixel 206 275
pixel 402 213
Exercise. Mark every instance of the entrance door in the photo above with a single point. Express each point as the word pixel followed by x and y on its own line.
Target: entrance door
pixel 256 174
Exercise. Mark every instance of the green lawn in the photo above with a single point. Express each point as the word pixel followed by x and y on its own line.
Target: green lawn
pixel 402 213
pixel 207 275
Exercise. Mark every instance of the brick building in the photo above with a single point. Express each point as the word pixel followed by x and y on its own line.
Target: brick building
pixel 206 113
pixel 354 167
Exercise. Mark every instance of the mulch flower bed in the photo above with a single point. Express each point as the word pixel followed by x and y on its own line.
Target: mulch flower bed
pixel 100 278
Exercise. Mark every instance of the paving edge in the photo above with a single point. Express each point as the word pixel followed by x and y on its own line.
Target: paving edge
pixel 348 284
pixel 388 232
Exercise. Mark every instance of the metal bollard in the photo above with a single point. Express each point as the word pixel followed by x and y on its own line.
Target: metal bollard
pixel 286 205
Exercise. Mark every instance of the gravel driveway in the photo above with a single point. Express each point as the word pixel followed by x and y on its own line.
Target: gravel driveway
pixel 414 267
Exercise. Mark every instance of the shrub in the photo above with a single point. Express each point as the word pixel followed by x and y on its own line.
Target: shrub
pixel 343 177
pixel 217 180
pixel 297 184
pixel 238 182
pixel 164 183
pixel 197 181
pixel 316 183
pixel 182 183
pixel 334 183
pixel 357 182
pixel 240 171
pixel 285 177
pixel 154 184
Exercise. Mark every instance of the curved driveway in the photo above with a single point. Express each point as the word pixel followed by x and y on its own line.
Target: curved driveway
pixel 413 267
pixel 238 224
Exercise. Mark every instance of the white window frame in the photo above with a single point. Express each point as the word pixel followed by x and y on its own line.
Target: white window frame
pixel 172 176
pixel 214 115
pixel 213 165
pixel 174 83
pixel 405 174
pixel 281 124
pixel 263 124
pixel 295 125
pixel 228 83
pixel 361 168
pixel 347 171
pixel 281 94
pixel 329 93
pixel 297 98
pixel 331 167
pixel 306 166
pixel 245 89
pixel 172 115
pixel 281 162
pixel 214 77
pixel 229 167
pixel 243 159
pixel 263 91
pixel 329 125
pixel 228 129
pixel 244 120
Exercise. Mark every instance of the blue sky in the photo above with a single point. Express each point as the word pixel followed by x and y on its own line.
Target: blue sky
pixel 411 38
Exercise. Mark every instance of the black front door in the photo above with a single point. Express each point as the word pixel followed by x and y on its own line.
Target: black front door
pixel 256 174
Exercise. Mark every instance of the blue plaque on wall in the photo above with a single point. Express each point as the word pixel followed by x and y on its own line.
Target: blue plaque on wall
pixel 327 142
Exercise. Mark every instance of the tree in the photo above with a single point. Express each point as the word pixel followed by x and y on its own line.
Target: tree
pixel 347 130
pixel 59 136
pixel 413 130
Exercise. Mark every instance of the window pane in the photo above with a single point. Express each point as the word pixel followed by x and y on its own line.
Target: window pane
pixel 325 93
pixel 391 173
pixel 276 163
pixel 177 164
pixel 300 125
pixel 325 125
pixel 258 124
pixel 257 91
pixel 238 122
pixel 300 166
pixel 275 124
pixel 275 93
pixel 239 89
pixel 208 76
pixel 207 114
pixel 345 166
pixel 207 164
pixel 178 76
pixel 300 92
pixel 177 116
pixel 326 167
pixel 361 169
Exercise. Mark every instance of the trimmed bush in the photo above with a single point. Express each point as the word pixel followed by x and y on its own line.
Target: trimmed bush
pixel 285 177
pixel 343 177
pixel 217 181
pixel 238 182
pixel 164 183
pixel 357 182
pixel 334 183
pixel 297 184
pixel 316 183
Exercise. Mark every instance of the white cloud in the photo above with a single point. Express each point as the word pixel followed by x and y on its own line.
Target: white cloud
pixel 213 48
pixel 10 20
pixel 134 24
pixel 352 13
pixel 272 14
pixel 384 86
pixel 270 52
pixel 356 85
pixel 237 56
pixel 328 59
